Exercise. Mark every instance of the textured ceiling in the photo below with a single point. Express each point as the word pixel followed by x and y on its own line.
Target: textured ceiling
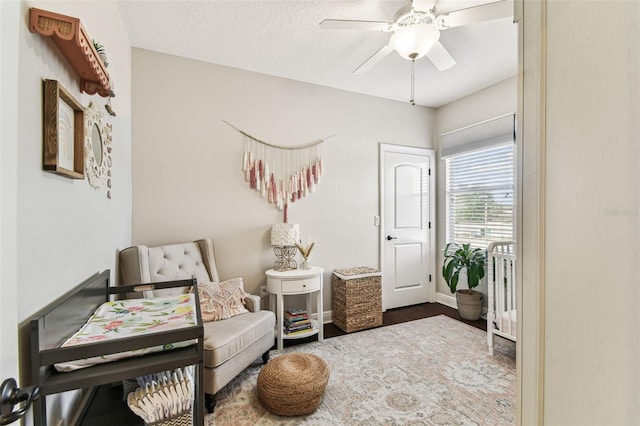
pixel 283 38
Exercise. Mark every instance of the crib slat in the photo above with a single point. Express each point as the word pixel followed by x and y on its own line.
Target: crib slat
pixel 502 291
pixel 508 301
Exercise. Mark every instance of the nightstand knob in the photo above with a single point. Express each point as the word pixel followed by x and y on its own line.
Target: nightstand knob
pixel 304 285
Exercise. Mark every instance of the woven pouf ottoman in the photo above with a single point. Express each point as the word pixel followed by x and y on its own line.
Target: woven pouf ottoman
pixel 293 384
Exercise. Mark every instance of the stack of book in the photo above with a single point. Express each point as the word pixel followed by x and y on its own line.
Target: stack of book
pixel 296 321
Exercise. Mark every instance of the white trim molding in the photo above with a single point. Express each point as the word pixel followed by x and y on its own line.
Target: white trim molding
pixel 327 317
pixel 530 222
pixel 447 300
pixel 450 301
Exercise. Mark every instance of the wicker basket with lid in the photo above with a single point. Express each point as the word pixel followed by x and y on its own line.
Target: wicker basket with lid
pixel 357 298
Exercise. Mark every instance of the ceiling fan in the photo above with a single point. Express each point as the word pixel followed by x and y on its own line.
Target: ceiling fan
pixel 416 30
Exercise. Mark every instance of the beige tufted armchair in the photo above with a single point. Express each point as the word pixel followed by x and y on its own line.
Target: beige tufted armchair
pixel 230 345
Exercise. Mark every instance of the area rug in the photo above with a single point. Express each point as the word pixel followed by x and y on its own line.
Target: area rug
pixel 433 371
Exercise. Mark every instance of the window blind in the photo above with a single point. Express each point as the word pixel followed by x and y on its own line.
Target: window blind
pixel 479 187
pixel 479 136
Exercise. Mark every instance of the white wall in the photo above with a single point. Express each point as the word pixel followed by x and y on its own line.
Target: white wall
pixel 187 178
pixel 592 214
pixel 65 230
pixel 494 101
pixel 10 28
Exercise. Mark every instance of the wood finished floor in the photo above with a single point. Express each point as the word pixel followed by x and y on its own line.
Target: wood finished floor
pixel 397 316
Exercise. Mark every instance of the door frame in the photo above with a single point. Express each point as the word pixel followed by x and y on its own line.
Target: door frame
pixel 531 17
pixel 384 148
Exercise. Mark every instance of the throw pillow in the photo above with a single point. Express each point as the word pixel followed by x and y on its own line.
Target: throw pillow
pixel 222 300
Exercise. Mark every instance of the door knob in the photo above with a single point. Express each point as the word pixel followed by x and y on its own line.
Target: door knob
pixel 389 238
pixel 12 395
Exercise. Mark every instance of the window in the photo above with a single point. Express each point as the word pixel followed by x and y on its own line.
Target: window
pixel 479 162
pixel 479 187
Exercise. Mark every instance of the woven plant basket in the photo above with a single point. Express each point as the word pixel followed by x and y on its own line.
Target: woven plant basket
pixel 293 384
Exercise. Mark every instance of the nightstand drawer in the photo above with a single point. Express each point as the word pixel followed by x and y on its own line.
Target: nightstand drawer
pixel 303 285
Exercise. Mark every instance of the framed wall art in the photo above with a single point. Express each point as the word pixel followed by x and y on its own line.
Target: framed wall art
pixel 63 151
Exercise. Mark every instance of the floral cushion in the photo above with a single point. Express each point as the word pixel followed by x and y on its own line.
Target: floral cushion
pixel 222 300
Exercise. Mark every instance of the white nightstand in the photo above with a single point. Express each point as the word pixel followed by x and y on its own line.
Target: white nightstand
pixel 297 281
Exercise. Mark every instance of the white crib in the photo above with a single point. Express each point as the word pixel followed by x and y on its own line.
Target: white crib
pixel 501 309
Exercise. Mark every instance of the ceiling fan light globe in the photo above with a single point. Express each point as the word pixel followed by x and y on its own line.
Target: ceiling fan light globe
pixel 414 41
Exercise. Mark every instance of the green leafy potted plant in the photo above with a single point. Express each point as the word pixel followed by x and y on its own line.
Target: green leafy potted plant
pixel 100 50
pixel 457 258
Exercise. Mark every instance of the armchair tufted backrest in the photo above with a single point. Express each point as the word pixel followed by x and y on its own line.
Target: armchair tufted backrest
pixel 141 264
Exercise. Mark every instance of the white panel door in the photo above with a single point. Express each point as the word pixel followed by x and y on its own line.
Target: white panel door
pixel 407 234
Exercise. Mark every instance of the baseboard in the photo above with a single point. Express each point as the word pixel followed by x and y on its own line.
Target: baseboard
pixel 446 300
pixel 327 317
pixel 450 301
pixel 83 403
pixel 443 299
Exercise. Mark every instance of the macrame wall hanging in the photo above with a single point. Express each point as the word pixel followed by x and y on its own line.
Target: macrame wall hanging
pixel 281 175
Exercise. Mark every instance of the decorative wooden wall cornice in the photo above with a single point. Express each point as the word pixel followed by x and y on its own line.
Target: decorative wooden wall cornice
pixel 75 44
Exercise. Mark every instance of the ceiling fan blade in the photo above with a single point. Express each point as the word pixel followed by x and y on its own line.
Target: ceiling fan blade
pixel 373 60
pixel 485 12
pixel 345 24
pixel 440 57
pixel 423 5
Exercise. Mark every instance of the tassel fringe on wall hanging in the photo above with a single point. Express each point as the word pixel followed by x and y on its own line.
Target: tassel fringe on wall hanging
pixel 281 175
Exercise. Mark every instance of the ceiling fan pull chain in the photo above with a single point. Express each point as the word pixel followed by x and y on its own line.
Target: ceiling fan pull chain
pixel 412 100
